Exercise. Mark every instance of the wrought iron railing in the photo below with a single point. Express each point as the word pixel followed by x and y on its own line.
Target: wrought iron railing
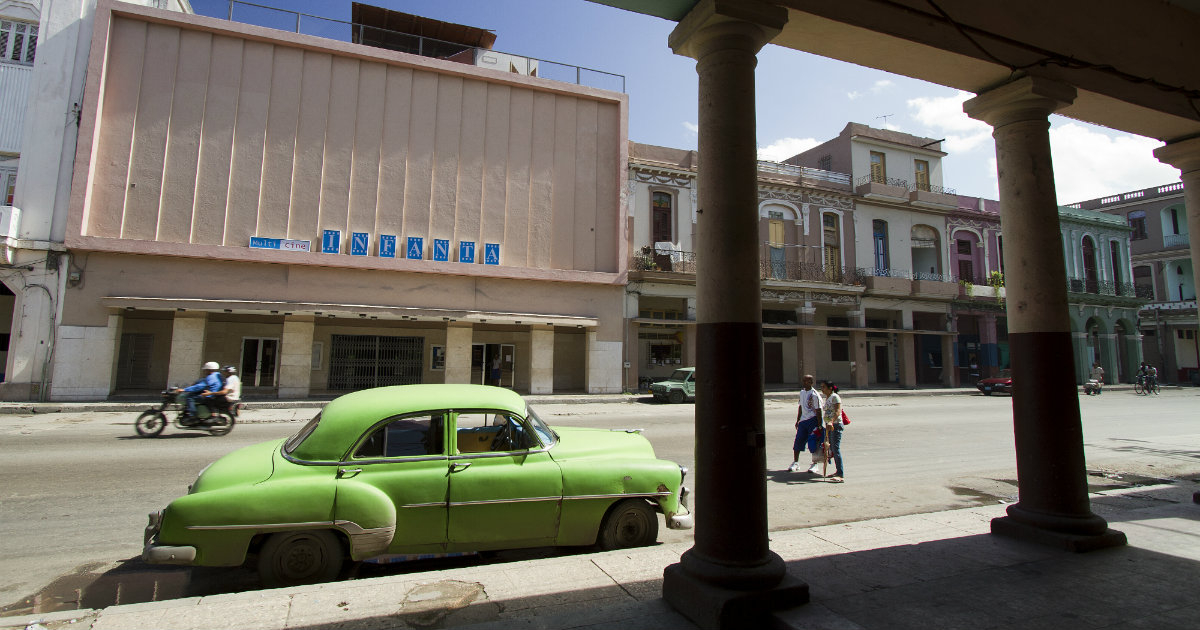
pixel 649 258
pixel 1107 287
pixel 296 22
pixel 941 190
pixel 887 181
pixel 808 272
pixel 1176 240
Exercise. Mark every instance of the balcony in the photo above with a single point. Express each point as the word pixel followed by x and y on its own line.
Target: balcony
pixel 903 282
pixel 936 197
pixel 1176 240
pixel 14 96
pixel 803 175
pixel 887 189
pixel 1107 288
pixel 808 272
pixel 668 260
pixel 296 22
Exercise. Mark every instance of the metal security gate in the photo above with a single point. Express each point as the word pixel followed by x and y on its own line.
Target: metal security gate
pixel 362 361
pixel 133 360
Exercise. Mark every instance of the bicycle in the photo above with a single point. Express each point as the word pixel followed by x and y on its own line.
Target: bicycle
pixel 1139 386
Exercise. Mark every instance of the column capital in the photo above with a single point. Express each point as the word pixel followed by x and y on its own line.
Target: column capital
pixel 752 22
pixel 1028 99
pixel 1183 155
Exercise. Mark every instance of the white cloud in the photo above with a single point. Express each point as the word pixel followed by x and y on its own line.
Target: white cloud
pixel 945 117
pixel 1091 163
pixel 691 126
pixel 874 90
pixel 785 148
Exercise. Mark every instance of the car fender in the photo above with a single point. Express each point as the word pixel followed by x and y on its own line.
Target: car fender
pixel 221 523
pixel 368 517
pixel 591 487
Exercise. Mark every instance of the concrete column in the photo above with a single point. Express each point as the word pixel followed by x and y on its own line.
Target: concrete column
pixel 989 356
pixel 458 353
pixel 295 356
pixel 949 359
pixel 1108 357
pixel 1185 156
pixel 603 365
pixel 187 348
pixel 806 350
pixel 860 373
pixel 689 344
pixel 541 359
pixel 632 353
pixel 906 347
pixel 729 578
pixel 1051 474
pixel 1081 356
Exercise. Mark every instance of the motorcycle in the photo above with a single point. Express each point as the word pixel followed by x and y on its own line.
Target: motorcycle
pixel 1092 387
pixel 216 418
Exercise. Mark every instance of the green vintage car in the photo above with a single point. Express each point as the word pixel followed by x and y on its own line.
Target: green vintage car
pixel 418 469
pixel 678 387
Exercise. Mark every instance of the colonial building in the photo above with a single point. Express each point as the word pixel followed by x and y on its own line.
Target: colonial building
pixel 1163 273
pixel 331 216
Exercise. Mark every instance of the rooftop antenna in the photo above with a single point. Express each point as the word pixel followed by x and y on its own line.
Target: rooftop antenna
pixel 884 117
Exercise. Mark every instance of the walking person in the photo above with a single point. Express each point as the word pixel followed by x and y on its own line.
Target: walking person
pixel 808 418
pixel 832 411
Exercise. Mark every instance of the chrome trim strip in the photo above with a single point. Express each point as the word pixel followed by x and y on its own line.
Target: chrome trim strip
pixel 491 501
pixel 630 495
pixel 497 454
pixel 420 505
pixel 310 525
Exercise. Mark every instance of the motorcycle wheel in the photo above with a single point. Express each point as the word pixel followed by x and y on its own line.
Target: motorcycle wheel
pixel 150 423
pixel 221 424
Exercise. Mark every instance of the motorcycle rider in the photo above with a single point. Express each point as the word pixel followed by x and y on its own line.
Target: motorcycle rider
pixel 209 383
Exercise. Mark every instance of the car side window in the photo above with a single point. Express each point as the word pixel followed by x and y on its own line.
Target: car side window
pixel 409 436
pixel 486 431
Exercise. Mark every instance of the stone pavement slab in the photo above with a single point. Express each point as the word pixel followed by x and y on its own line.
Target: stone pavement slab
pixel 919 572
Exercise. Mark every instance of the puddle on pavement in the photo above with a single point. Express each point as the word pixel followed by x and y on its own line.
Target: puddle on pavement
pixel 1101 480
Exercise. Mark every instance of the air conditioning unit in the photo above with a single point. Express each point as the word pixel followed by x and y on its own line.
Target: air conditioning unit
pixel 10 221
pixel 506 62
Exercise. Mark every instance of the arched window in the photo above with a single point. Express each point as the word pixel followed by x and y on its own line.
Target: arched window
pixel 879 235
pixel 661 218
pixel 1090 280
pixel 1114 256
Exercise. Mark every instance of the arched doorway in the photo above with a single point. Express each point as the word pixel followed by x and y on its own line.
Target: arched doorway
pixel 1092 353
pixel 926 253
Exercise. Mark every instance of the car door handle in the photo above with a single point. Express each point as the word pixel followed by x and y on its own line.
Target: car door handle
pixel 457 466
pixel 348 472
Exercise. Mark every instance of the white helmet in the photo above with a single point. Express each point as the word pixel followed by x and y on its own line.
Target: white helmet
pixel 212 365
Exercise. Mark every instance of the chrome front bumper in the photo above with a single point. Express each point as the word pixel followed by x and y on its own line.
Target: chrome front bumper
pixel 163 554
pixel 681 521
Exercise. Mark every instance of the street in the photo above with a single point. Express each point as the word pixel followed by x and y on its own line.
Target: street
pixel 77 487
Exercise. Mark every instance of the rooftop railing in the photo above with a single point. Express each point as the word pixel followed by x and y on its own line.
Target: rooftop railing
pixel 317 26
pixel 1109 288
pixel 804 172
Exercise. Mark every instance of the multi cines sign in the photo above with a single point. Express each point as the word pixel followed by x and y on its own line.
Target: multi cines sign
pixel 360 245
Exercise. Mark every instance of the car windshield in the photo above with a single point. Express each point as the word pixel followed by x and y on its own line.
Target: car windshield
pixel 545 434
pixel 1004 374
pixel 302 434
pixel 680 375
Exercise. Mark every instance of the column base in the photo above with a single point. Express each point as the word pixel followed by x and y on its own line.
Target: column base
pixel 717 605
pixel 1078 543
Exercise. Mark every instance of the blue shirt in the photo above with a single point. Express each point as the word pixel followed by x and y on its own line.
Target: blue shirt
pixel 211 382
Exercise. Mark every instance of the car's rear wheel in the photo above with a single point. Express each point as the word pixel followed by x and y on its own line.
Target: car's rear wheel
pixel 987 392
pixel 150 423
pixel 630 523
pixel 676 396
pixel 304 557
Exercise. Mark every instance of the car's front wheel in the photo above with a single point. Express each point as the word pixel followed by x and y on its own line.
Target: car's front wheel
pixel 630 523
pixel 304 557
pixel 676 396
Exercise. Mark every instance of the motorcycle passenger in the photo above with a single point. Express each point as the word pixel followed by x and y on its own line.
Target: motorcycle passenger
pixel 231 394
pixel 209 383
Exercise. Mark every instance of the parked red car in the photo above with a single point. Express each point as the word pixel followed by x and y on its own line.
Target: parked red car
pixel 1002 382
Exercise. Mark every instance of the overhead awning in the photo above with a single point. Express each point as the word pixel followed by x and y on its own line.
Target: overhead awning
pixel 347 311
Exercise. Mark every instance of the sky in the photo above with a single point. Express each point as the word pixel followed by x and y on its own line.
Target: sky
pixel 802 100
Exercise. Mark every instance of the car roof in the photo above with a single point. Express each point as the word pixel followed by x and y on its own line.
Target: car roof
pixel 347 417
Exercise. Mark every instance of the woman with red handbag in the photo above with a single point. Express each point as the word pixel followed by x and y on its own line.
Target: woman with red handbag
pixel 832 412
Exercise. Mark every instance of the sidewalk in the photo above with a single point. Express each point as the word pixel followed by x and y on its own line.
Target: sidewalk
pixel 925 571
pixel 534 399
